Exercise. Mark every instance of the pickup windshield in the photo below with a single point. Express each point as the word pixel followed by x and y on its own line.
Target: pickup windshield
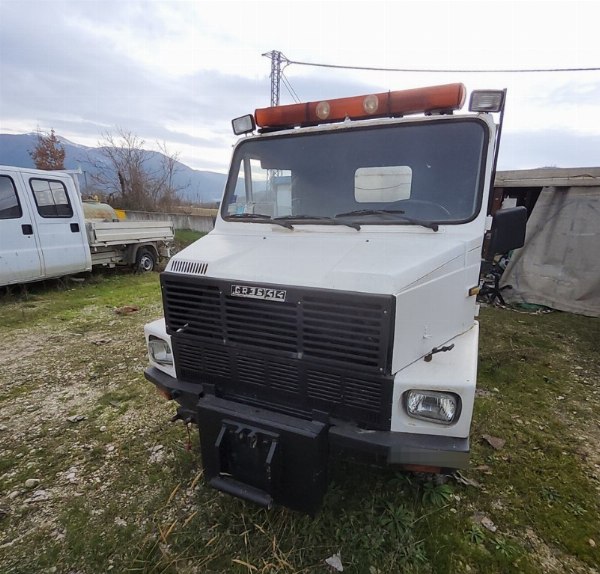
pixel 406 174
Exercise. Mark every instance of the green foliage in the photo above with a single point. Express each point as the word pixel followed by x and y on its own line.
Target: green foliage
pixel 550 494
pixel 505 548
pixel 397 519
pixel 475 534
pixel 436 494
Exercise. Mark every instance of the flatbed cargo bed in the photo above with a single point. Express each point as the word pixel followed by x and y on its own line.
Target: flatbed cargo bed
pixel 124 232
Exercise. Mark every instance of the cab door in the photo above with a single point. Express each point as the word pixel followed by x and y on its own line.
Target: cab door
pixel 20 258
pixel 60 224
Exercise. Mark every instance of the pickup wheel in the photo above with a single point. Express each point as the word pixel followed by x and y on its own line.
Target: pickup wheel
pixel 145 261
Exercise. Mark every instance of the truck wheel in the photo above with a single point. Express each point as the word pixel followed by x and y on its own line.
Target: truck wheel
pixel 145 261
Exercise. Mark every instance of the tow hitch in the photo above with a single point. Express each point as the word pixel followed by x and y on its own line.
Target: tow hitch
pixel 261 456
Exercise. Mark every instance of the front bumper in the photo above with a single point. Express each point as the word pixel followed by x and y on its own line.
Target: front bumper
pixel 419 450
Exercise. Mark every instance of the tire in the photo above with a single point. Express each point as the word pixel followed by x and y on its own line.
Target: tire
pixel 145 260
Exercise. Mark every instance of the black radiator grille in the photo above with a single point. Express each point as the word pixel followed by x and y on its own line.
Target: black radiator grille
pixel 350 333
pixel 284 377
pixel 291 387
pixel 195 309
pixel 268 323
pixel 324 386
pixel 317 350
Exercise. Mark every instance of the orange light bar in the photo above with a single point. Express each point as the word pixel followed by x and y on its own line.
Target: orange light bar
pixel 444 98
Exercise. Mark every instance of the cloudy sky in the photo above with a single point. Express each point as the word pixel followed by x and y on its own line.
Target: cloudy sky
pixel 178 71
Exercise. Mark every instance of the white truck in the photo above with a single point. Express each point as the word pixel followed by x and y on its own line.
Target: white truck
pixel 46 230
pixel 333 306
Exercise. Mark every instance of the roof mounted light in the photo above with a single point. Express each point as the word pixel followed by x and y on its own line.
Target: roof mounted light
pixel 371 104
pixel 243 125
pixel 440 99
pixel 323 110
pixel 486 101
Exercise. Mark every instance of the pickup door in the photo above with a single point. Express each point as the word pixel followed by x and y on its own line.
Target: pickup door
pixel 58 217
pixel 42 230
pixel 20 258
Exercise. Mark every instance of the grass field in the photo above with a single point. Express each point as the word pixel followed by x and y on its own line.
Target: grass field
pixel 94 478
pixel 184 237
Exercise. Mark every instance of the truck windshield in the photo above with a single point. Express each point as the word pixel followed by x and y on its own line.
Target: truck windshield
pixel 419 173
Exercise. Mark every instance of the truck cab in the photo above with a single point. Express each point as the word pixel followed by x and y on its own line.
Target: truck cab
pixel 333 306
pixel 42 226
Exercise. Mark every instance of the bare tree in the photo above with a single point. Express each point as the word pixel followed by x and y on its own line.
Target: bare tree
pixel 168 195
pixel 48 152
pixel 133 177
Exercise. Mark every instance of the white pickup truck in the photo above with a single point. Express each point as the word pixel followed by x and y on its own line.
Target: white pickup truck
pixel 46 230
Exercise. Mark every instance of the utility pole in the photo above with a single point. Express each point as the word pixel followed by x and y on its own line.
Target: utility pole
pixel 277 58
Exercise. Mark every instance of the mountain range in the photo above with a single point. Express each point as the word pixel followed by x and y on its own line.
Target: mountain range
pixel 195 186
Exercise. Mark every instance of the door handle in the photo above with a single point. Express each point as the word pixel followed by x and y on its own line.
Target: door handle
pixel 27 229
pixel 75 227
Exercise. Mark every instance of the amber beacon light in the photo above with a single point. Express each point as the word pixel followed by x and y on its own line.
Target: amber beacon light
pixel 440 99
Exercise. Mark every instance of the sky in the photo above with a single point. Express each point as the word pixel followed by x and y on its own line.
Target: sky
pixel 178 71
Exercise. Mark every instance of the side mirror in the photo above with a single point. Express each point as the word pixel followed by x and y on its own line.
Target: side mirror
pixel 508 231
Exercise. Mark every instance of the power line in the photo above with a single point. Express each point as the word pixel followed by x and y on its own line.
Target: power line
pixel 279 62
pixel 439 70
pixel 290 89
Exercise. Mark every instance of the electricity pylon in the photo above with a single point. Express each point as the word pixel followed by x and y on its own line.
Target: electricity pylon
pixel 277 59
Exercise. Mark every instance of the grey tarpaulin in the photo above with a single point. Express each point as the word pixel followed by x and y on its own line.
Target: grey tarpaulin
pixel 559 265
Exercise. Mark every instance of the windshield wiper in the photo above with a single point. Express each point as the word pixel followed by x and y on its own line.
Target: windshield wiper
pixel 412 221
pixel 397 212
pixel 369 212
pixel 263 219
pixel 286 220
pixel 321 219
pixel 300 216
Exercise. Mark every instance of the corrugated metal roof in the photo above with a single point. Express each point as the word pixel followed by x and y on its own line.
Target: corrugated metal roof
pixel 549 176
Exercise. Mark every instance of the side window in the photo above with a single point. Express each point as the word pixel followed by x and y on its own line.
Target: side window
pixel 10 208
pixel 261 190
pixel 51 198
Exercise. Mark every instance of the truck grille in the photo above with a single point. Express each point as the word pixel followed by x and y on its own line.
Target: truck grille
pixel 311 350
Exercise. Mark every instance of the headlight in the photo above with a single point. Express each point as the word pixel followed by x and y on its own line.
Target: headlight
pixel 160 351
pixel 432 406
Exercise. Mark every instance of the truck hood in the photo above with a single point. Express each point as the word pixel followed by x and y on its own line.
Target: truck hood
pixel 382 263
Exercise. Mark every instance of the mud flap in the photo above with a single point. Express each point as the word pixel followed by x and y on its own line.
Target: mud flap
pixel 261 456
